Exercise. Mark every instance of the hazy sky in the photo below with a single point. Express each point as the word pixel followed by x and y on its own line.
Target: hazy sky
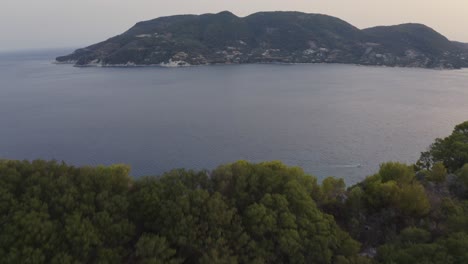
pixel 27 24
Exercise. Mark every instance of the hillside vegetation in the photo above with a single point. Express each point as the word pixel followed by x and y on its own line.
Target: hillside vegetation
pixel 265 37
pixel 51 212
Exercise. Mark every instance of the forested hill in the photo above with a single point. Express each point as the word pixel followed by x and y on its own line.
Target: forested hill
pixel 239 213
pixel 266 37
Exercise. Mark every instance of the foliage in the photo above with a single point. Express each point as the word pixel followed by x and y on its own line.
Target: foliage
pixel 395 187
pixel 438 173
pixel 450 250
pixel 52 212
pixel 452 151
pixel 277 207
pixel 239 213
pixel 463 175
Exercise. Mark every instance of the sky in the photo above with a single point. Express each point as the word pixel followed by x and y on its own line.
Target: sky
pixel 41 24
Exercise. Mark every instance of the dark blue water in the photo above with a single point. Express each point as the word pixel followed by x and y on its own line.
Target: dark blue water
pixel 327 119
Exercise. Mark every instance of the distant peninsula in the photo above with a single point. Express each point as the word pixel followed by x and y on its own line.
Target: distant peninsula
pixel 271 37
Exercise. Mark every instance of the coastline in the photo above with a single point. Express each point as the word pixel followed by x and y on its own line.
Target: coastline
pixel 186 65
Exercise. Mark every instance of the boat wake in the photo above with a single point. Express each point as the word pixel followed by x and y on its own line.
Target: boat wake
pixel 347 166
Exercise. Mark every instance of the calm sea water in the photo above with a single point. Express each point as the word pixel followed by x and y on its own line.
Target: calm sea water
pixel 338 120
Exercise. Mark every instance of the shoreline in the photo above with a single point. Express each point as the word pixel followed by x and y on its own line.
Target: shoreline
pixel 171 65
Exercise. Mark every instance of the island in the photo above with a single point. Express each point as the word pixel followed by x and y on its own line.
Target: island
pixel 271 37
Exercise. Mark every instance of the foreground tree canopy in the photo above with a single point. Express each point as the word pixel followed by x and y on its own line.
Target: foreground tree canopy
pixel 452 151
pixel 238 213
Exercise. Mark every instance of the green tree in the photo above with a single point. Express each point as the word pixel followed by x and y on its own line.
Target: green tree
pixel 278 208
pixel 452 151
pixel 198 224
pixel 54 213
pixel 463 175
pixel 153 249
pixel 438 173
pixel 413 201
pixel 333 196
pixel 397 172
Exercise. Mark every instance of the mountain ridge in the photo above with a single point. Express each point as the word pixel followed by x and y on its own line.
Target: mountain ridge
pixel 271 37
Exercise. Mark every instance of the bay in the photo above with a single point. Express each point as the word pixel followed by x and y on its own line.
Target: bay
pixel 330 119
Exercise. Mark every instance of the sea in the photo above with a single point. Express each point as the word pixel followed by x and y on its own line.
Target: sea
pixel 330 119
